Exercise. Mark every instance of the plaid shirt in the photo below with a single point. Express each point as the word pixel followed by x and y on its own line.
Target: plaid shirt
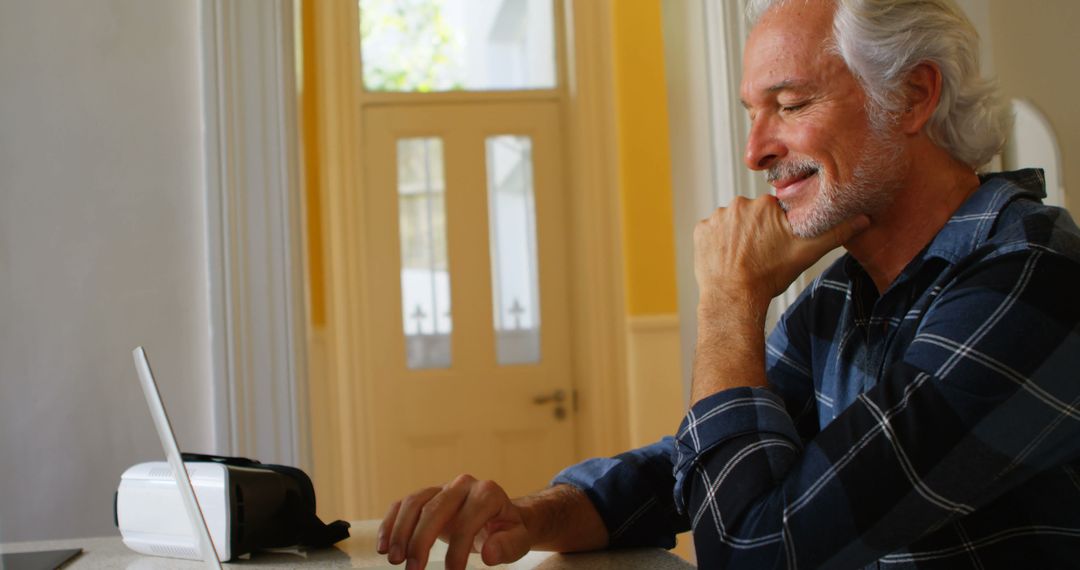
pixel 933 426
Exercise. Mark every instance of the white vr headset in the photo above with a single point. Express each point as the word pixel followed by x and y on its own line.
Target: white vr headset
pixel 247 506
pixel 213 508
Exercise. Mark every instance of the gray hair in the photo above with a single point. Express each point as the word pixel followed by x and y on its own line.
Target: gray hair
pixel 882 40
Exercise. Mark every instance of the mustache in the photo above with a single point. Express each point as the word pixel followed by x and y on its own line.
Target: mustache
pixel 797 168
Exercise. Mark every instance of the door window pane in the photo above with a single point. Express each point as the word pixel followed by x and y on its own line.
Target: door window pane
pixel 512 229
pixel 447 45
pixel 425 281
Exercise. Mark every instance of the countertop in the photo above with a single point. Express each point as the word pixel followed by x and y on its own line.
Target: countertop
pixel 358 551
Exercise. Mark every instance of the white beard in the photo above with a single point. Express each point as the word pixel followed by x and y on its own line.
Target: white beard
pixel 874 181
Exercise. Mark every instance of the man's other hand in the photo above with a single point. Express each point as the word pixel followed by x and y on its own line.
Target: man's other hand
pixel 744 256
pixel 469 515
pixel 747 250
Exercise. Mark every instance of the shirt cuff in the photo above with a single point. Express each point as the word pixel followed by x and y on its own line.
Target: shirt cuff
pixel 631 493
pixel 720 418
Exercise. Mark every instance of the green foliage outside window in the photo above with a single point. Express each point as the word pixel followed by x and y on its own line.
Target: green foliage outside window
pixel 407 45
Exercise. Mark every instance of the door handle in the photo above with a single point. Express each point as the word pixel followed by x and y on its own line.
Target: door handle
pixel 558 396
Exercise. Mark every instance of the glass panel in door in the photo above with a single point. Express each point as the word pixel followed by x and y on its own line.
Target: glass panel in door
pixel 512 229
pixel 425 280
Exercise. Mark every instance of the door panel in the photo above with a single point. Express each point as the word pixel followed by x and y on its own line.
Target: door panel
pixel 470 414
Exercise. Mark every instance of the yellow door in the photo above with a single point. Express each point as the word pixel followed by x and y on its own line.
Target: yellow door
pixel 467 315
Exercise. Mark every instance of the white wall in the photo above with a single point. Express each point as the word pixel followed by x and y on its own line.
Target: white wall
pixel 102 247
pixel 1035 46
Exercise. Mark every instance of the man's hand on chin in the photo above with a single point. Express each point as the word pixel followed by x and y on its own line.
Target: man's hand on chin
pixel 744 255
pixel 748 249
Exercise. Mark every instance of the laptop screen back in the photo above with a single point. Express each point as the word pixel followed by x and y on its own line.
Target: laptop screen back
pixel 172 453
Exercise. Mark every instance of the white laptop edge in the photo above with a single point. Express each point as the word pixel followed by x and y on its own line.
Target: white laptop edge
pixel 172 453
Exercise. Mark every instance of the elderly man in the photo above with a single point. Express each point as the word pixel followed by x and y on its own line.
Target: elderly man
pixel 917 406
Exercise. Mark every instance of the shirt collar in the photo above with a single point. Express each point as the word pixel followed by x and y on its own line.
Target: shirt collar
pixel 971 224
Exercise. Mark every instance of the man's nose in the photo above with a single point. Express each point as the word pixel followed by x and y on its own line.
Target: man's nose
pixel 763 147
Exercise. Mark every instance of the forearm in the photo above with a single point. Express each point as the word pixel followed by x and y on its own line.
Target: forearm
pixel 561 518
pixel 730 344
pixel 744 255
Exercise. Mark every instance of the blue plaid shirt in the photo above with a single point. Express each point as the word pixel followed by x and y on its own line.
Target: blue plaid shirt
pixel 933 426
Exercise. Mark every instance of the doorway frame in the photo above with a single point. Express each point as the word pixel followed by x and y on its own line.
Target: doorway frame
pixel 338 374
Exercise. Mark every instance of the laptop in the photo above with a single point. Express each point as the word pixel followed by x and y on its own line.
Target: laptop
pixel 172 453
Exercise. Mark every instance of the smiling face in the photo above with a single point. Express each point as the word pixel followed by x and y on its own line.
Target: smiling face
pixel 811 132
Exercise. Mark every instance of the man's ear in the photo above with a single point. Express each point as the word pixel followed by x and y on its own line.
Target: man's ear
pixel 922 91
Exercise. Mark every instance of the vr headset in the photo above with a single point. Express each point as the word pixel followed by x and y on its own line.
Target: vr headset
pixel 247 506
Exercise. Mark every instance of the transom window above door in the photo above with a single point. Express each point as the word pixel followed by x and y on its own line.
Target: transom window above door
pixel 457 45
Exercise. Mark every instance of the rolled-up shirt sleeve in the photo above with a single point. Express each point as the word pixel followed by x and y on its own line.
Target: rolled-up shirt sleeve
pixel 632 494
pixel 730 427
pixel 632 491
